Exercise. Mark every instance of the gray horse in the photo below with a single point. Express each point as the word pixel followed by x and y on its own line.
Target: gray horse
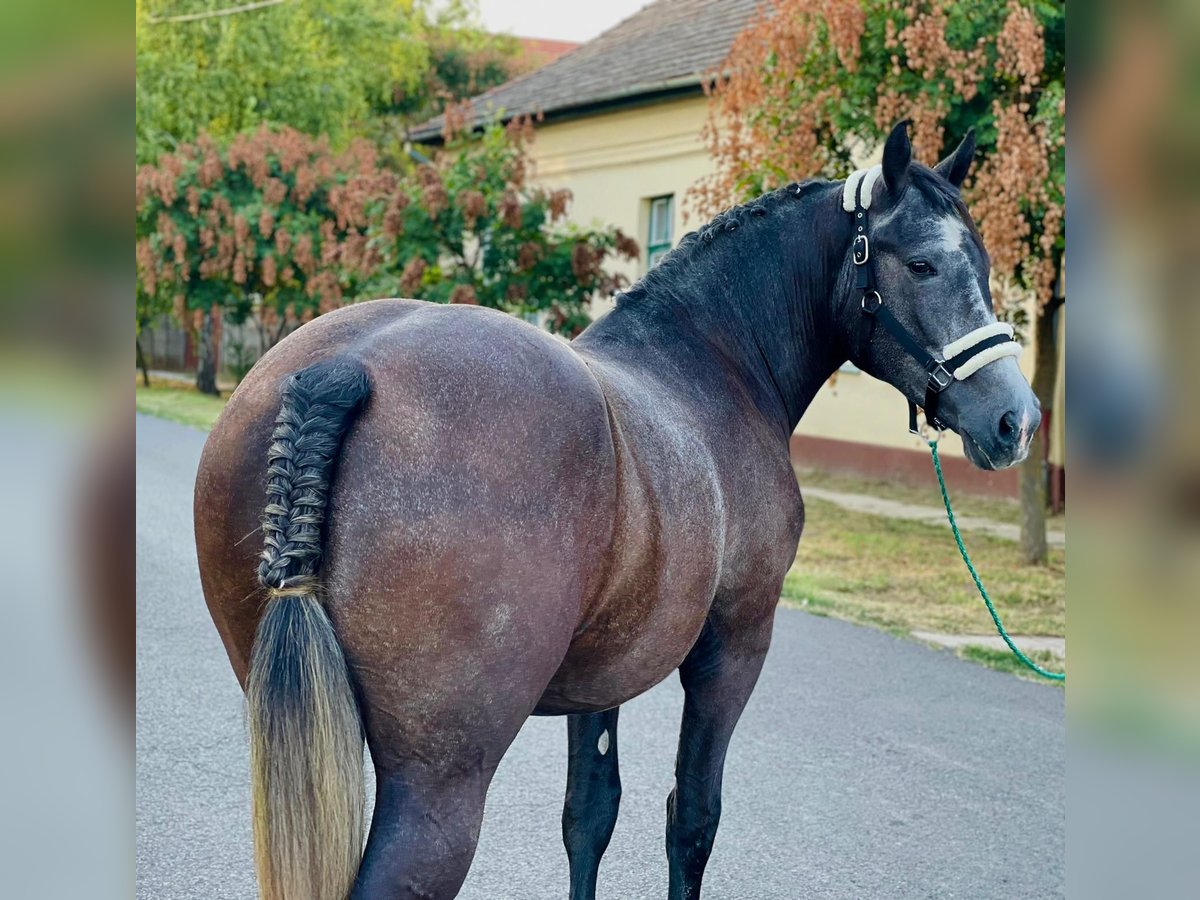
pixel 525 526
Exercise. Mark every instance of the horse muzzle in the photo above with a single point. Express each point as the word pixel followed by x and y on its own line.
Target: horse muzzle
pixel 1005 440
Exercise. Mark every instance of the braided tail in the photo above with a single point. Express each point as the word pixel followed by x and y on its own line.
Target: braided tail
pixel 306 736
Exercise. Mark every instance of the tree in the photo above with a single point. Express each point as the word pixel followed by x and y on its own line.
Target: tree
pixel 280 228
pixel 148 308
pixel 320 66
pixel 469 228
pixel 274 226
pixel 811 83
pixel 464 61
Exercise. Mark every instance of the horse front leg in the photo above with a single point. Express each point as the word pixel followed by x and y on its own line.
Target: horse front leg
pixel 718 676
pixel 593 796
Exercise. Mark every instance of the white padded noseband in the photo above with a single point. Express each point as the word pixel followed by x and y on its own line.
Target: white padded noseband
pixel 981 359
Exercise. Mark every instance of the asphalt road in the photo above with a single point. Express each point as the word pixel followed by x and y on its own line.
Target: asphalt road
pixel 865 765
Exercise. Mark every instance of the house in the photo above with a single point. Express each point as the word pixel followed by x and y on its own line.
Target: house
pixel 619 123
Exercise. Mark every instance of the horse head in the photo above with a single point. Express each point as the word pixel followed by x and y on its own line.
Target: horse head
pixel 921 272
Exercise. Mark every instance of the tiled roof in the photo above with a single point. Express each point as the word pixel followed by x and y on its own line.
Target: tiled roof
pixel 667 44
pixel 543 50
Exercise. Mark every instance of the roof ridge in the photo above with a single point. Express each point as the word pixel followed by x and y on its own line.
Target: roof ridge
pixel 665 45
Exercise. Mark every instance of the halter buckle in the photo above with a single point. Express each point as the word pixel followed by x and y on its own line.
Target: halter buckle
pixel 873 307
pixel 861 250
pixel 940 377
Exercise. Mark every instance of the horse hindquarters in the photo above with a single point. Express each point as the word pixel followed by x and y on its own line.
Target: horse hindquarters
pixel 453 646
pixel 471 508
pixel 305 724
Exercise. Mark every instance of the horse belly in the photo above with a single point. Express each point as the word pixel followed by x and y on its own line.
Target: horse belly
pixel 617 658
pixel 638 629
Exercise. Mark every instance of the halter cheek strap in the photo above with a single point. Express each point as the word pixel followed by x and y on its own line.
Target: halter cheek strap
pixel 960 359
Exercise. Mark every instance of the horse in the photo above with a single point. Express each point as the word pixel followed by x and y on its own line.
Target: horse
pixel 522 525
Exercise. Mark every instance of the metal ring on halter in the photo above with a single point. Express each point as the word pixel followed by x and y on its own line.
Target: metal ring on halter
pixel 926 428
pixel 878 301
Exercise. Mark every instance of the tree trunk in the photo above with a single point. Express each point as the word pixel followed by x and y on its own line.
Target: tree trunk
pixel 206 367
pixel 1031 477
pixel 141 361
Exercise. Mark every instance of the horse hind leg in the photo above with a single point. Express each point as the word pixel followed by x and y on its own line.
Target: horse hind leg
pixel 435 750
pixel 593 796
pixel 423 835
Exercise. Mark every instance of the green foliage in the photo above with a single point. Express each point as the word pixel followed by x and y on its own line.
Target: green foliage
pixel 967 28
pixel 470 229
pixel 464 61
pixel 320 66
pixel 815 83
pixel 279 228
pixel 274 225
pixel 149 306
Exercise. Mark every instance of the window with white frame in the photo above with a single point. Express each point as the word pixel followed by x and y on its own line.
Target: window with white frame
pixel 658 237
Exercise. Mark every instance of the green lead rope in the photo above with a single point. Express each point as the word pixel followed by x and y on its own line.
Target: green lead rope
pixel 1045 673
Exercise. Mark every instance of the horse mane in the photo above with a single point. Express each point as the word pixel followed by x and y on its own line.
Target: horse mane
pixel 940 193
pixel 695 243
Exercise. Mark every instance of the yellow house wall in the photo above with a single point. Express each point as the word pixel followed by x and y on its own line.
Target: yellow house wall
pixel 615 162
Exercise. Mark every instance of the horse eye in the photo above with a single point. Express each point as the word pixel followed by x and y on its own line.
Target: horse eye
pixel 920 267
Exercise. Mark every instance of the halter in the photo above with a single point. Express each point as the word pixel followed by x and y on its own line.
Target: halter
pixel 960 359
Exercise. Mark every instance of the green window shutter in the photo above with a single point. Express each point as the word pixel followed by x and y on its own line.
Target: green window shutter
pixel 658 238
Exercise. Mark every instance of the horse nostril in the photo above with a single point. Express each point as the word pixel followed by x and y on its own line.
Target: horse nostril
pixel 1008 424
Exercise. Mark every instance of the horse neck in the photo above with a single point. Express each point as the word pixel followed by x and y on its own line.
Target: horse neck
pixel 758 302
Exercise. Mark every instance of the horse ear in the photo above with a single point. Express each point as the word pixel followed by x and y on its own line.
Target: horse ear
pixel 897 155
pixel 954 167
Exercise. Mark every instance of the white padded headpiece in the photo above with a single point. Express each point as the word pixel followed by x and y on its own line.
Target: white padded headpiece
pixel 868 177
